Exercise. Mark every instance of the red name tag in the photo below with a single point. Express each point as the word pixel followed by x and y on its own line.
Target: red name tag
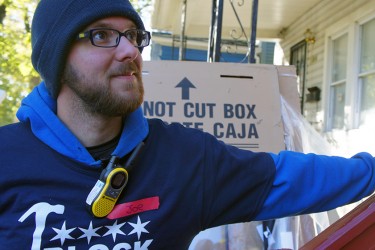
pixel 134 207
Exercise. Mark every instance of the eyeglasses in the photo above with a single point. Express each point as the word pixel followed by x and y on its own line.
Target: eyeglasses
pixel 107 38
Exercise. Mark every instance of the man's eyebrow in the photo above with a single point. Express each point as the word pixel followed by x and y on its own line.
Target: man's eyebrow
pixel 100 25
pixel 107 25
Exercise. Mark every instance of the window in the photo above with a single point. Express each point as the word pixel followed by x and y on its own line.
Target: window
pixel 338 82
pixel 298 59
pixel 367 73
pixel 351 76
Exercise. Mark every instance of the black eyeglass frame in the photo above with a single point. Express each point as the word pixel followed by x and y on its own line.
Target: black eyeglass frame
pixel 89 34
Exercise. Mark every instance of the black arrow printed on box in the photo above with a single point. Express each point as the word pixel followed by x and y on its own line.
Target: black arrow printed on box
pixel 185 86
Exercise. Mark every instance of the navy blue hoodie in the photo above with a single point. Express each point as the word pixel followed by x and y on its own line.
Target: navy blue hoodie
pixel 184 181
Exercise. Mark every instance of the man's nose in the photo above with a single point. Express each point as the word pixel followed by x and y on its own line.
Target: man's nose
pixel 126 50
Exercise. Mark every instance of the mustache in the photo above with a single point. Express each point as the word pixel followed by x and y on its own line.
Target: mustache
pixel 124 69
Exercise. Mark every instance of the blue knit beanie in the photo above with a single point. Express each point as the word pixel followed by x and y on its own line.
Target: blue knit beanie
pixel 56 24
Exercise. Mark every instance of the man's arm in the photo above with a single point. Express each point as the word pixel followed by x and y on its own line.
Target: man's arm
pixel 313 183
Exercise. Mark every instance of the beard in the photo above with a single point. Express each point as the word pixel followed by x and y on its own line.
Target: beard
pixel 97 97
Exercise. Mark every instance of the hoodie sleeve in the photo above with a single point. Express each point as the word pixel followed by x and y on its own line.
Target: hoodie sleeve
pixel 309 183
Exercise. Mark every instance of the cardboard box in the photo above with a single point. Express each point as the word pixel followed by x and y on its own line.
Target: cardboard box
pixel 237 103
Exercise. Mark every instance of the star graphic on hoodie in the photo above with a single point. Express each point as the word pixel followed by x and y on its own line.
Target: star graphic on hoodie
pixel 89 232
pixel 63 233
pixel 139 228
pixel 114 230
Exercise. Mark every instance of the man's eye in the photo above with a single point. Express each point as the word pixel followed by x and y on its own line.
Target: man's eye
pixel 131 35
pixel 101 35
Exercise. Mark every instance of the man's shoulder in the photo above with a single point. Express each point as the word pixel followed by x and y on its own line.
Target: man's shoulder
pixel 14 132
pixel 10 127
pixel 173 129
pixel 14 127
pixel 160 124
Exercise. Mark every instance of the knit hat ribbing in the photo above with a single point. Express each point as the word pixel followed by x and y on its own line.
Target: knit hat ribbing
pixel 56 23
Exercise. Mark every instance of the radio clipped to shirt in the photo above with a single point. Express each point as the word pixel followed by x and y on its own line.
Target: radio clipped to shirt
pixel 113 179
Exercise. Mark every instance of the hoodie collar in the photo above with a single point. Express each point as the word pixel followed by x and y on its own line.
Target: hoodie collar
pixel 39 108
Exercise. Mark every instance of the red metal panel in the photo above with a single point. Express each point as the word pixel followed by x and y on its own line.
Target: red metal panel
pixel 356 230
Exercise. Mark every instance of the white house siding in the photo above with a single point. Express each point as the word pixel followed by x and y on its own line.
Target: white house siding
pixel 323 19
